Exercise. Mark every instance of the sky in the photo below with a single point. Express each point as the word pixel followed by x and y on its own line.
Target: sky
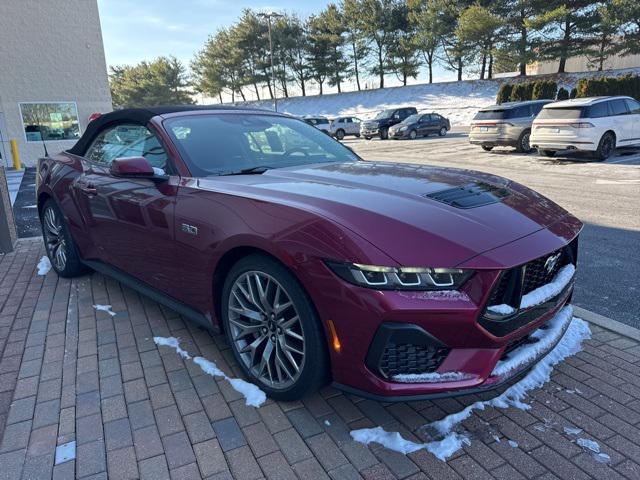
pixel 135 30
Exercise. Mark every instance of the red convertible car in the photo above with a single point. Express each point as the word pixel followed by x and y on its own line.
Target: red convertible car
pixel 394 281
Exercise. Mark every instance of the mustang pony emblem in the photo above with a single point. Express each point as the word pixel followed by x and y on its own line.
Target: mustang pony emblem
pixel 551 262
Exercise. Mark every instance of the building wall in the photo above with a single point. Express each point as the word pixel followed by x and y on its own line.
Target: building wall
pixel 582 64
pixel 50 51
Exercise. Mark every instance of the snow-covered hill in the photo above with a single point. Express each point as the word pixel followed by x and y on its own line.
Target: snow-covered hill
pixel 458 101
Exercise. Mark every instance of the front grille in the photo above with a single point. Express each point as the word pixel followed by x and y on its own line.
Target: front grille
pixel 408 358
pixel 536 275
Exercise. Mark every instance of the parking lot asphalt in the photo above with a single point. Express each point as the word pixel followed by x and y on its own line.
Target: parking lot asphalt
pixel 604 195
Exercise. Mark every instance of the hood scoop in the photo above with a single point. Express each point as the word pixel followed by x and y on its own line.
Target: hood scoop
pixel 471 195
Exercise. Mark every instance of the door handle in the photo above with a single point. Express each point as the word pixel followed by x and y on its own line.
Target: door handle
pixel 87 188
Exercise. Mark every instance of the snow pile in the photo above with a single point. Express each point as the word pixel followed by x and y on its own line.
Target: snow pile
pixel 546 338
pixel 540 294
pixel 44 265
pixel 442 449
pixel 432 377
pixel 105 308
pixel 572 431
pixel 589 444
pixel 174 343
pixel 513 444
pixel 253 396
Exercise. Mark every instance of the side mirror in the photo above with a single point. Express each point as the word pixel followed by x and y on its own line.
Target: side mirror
pixel 135 167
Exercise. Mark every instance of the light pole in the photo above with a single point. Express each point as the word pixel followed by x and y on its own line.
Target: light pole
pixel 269 16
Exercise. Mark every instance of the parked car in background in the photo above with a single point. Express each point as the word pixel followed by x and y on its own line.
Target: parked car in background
pixel 343 126
pixel 506 125
pixel 395 281
pixel 595 124
pixel 321 123
pixel 379 125
pixel 420 125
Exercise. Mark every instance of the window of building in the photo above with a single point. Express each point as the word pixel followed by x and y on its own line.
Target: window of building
pixel 50 121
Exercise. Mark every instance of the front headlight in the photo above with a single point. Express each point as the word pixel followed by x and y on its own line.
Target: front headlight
pixel 402 278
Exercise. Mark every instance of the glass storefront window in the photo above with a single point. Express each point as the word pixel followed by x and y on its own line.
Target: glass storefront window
pixel 50 121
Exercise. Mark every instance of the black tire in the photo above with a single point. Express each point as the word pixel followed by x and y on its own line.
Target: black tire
pixel 413 134
pixel 314 369
pixel 357 135
pixel 73 266
pixel 443 131
pixel 523 145
pixel 366 137
pixel 548 153
pixel 487 148
pixel 340 134
pixel 606 147
pixel 384 133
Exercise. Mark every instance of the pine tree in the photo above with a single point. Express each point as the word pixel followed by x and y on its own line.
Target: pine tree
pixel 354 29
pixel 425 15
pixel 477 30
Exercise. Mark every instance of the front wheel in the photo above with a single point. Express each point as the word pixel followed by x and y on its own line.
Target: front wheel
pixel 384 134
pixel 606 147
pixel 487 148
pixel 273 330
pixel 367 137
pixel 413 134
pixel 443 131
pixel 59 244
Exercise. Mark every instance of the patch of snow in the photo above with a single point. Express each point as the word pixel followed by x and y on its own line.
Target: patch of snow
pixel 540 294
pixel 601 458
pixel 496 438
pixel 327 423
pixel 527 353
pixel 105 308
pixel 513 444
pixel 551 289
pixel 572 431
pixel 589 444
pixel 253 396
pixel 432 377
pixel 174 343
pixel 442 449
pixel 502 309
pixel 514 396
pixel 65 452
pixel 30 206
pixel 44 265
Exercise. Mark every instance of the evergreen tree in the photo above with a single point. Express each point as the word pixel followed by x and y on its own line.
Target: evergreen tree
pixel 354 29
pixel 403 51
pixel 162 81
pixel 477 30
pixel 427 19
pixel 603 43
pixel 379 27
pixel 627 15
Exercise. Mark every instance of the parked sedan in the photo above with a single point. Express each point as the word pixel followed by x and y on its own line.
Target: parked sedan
pixel 321 123
pixel 395 281
pixel 343 126
pixel 420 125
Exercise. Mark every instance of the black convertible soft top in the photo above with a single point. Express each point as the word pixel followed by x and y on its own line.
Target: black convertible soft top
pixel 139 116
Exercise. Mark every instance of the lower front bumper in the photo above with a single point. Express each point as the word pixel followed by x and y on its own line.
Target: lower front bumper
pixel 431 391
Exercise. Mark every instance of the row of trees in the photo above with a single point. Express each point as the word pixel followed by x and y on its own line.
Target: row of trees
pixel 362 39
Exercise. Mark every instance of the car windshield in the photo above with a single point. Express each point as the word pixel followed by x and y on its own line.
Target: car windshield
pixel 384 114
pixel 560 113
pixel 411 118
pixel 225 143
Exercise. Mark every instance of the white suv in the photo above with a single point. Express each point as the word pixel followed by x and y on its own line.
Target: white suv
pixel 596 124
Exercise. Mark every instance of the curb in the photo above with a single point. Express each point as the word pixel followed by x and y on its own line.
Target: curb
pixel 607 323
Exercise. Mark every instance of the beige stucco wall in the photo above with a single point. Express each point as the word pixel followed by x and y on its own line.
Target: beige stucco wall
pixel 50 51
pixel 582 64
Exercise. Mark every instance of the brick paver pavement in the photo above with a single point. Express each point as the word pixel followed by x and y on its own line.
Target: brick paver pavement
pixel 71 374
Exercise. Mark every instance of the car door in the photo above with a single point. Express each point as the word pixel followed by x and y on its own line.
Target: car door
pixel 349 126
pixel 130 220
pixel 423 124
pixel 619 116
pixel 634 120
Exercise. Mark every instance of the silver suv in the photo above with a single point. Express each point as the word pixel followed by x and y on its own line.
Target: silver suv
pixel 342 126
pixel 506 125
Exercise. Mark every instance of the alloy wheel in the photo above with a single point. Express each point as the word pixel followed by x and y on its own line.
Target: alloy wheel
pixel 54 238
pixel 413 134
pixel 265 329
pixel 607 146
pixel 526 147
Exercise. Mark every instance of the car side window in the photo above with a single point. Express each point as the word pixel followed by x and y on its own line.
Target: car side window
pixel 598 110
pixel 633 106
pixel 126 140
pixel 618 107
pixel 348 120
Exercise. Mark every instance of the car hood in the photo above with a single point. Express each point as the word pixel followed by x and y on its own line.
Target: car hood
pixel 389 205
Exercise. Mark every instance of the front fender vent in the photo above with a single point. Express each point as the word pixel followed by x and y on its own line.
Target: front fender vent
pixel 471 195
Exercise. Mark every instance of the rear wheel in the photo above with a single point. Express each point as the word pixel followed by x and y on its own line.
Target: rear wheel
pixel 548 153
pixel 413 134
pixel 487 148
pixel 523 145
pixel 606 147
pixel 340 134
pixel 273 329
pixel 367 137
pixel 59 244
pixel 443 131
pixel 384 134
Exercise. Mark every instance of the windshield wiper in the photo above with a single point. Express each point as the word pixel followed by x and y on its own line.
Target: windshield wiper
pixel 260 169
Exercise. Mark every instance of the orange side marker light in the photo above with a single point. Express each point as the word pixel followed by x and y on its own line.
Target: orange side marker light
pixel 335 341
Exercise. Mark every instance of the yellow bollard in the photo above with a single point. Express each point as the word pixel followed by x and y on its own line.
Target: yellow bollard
pixel 15 154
